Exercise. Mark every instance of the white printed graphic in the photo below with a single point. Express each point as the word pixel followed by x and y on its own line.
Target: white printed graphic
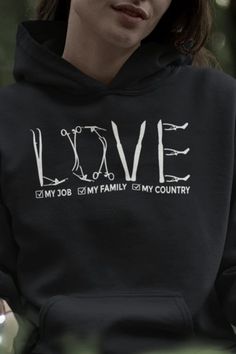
pixel 175 127
pixel 171 178
pixel 78 171
pixel 107 174
pixel 172 152
pixel 176 152
pixel 77 166
pixel 160 152
pixel 136 154
pixel 38 149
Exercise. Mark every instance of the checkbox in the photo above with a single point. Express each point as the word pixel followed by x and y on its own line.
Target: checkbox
pixel 39 194
pixel 136 187
pixel 81 190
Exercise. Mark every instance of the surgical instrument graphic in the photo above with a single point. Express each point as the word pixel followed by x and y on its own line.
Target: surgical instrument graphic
pixel 175 127
pixel 96 174
pixel 169 152
pixel 171 178
pixel 75 136
pixel 160 152
pixel 38 149
pixel 136 154
pixel 176 152
pixel 77 166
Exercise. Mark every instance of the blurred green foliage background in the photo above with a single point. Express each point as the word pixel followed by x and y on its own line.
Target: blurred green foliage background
pixel 222 41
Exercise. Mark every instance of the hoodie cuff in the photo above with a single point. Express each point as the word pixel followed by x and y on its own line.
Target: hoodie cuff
pixel 10 293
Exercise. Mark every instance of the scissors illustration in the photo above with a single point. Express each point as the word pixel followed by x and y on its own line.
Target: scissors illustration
pixel 96 174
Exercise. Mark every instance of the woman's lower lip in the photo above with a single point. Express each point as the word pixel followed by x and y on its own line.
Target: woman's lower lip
pixel 129 19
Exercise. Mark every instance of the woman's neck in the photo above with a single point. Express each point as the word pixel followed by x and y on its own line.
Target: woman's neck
pixel 90 53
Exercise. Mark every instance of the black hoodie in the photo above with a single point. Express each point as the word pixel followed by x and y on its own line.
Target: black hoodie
pixel 118 202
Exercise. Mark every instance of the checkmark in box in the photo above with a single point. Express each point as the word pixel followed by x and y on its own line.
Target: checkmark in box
pixel 81 190
pixel 39 194
pixel 136 187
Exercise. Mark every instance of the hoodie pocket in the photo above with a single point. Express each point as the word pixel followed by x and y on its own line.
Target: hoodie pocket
pixel 118 321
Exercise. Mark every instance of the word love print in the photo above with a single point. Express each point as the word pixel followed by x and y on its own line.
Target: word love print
pixel 130 170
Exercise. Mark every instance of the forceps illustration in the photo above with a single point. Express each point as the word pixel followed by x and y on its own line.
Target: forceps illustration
pixel 96 174
pixel 171 178
pixel 175 127
pixel 176 152
pixel 77 166
pixel 38 149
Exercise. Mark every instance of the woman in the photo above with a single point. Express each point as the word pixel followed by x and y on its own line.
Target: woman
pixel 118 181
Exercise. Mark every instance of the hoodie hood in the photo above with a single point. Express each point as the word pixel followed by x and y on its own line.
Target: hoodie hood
pixel 38 60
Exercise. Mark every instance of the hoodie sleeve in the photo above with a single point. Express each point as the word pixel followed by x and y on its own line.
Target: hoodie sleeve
pixel 27 332
pixel 226 277
pixel 8 261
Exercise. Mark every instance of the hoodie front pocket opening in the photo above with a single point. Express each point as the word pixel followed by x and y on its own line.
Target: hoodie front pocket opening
pixel 164 310
pixel 184 309
pixel 46 307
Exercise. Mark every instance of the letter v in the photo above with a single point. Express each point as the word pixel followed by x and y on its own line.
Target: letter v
pixel 136 154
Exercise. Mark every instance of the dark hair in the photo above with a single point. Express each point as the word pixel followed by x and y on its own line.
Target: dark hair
pixel 186 23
